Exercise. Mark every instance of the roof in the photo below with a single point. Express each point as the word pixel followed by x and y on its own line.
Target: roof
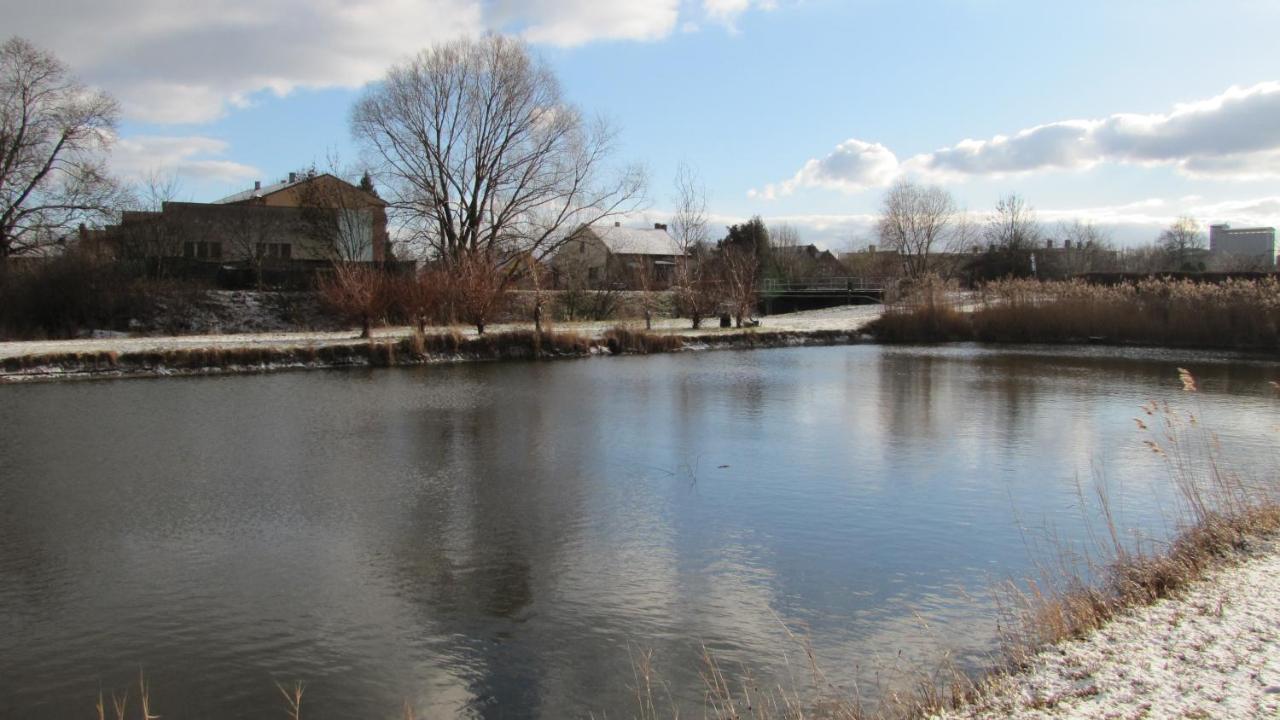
pixel 297 179
pixel 252 193
pixel 636 241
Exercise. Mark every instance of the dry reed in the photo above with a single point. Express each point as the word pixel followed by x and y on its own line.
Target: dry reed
pixel 1237 313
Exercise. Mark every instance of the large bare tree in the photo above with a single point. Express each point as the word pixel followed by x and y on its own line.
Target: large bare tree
pixel 480 153
pixel 54 132
pixel 918 220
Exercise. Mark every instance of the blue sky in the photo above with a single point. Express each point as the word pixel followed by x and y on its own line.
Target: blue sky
pixel 798 111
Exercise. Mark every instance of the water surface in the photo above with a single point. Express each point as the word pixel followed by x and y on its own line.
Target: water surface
pixel 502 540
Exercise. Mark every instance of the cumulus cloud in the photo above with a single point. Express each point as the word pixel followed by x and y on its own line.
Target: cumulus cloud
pixel 1233 136
pixel 194 157
pixel 188 62
pixel 191 62
pixel 854 165
pixel 574 22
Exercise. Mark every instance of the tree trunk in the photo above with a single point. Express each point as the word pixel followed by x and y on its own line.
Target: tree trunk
pixel 479 327
pixel 648 319
pixel 366 331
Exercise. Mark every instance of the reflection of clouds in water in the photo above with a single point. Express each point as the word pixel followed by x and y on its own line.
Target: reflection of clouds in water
pixel 500 536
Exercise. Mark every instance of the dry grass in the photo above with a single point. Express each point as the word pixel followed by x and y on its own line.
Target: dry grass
pixel 622 339
pixel 1218 510
pixel 1238 313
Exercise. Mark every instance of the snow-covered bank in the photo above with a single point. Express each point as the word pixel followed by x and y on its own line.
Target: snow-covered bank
pixel 204 355
pixel 1211 652
pixel 848 318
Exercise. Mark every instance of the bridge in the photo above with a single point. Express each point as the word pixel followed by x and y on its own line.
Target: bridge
pixel 786 296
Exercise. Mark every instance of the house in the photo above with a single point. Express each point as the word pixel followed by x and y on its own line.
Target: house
pixel 307 217
pixel 806 262
pixel 604 256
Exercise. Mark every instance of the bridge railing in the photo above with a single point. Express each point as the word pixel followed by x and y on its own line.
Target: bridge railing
pixel 772 286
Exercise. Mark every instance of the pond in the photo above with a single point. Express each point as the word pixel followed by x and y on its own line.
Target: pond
pixel 508 540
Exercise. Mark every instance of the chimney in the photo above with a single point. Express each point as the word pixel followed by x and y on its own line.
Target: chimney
pixel 1048 244
pixel 1066 244
pixel 293 177
pixel 659 226
pixel 617 224
pixel 871 249
pixel 257 184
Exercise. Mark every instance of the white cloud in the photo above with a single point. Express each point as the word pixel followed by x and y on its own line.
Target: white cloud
pixel 574 22
pixel 726 12
pixel 184 62
pixel 190 62
pixel 191 158
pixel 1234 136
pixel 853 166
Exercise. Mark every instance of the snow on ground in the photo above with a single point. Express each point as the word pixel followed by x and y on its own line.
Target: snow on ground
pixel 849 318
pixel 1213 652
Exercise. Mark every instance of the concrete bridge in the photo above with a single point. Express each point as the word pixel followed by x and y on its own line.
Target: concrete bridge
pixel 788 296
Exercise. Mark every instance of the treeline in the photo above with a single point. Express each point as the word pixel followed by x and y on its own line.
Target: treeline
pixel 927 233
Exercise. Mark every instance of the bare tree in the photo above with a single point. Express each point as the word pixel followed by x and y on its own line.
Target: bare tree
pixel 359 292
pixel 150 238
pixel 694 282
pixel 54 132
pixel 739 270
pixel 917 220
pixel 480 153
pixel 1013 225
pixel 1181 243
pixel 477 286
pixel 338 212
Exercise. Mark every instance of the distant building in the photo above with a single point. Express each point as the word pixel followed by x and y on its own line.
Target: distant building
pixel 304 218
pixel 1256 245
pixel 615 256
pixel 803 262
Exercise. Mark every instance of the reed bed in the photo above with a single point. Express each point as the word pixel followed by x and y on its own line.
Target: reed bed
pixel 621 339
pixel 1235 314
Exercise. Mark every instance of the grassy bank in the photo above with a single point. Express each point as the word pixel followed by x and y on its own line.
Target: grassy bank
pixel 413 349
pixel 1236 314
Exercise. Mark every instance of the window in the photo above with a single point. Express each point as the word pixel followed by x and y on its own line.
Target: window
pixel 202 250
pixel 275 251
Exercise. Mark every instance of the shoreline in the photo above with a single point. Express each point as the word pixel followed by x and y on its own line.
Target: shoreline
pixel 170 356
pixel 1210 650
pixel 392 351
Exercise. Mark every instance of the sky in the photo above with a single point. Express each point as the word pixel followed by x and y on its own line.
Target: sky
pixel 1126 113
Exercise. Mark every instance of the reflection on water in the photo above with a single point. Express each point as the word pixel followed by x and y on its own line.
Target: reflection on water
pixel 500 540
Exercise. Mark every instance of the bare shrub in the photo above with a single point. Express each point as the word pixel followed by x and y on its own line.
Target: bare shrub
pixel 361 293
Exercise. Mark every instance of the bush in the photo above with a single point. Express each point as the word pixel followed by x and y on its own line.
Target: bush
pixel 67 295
